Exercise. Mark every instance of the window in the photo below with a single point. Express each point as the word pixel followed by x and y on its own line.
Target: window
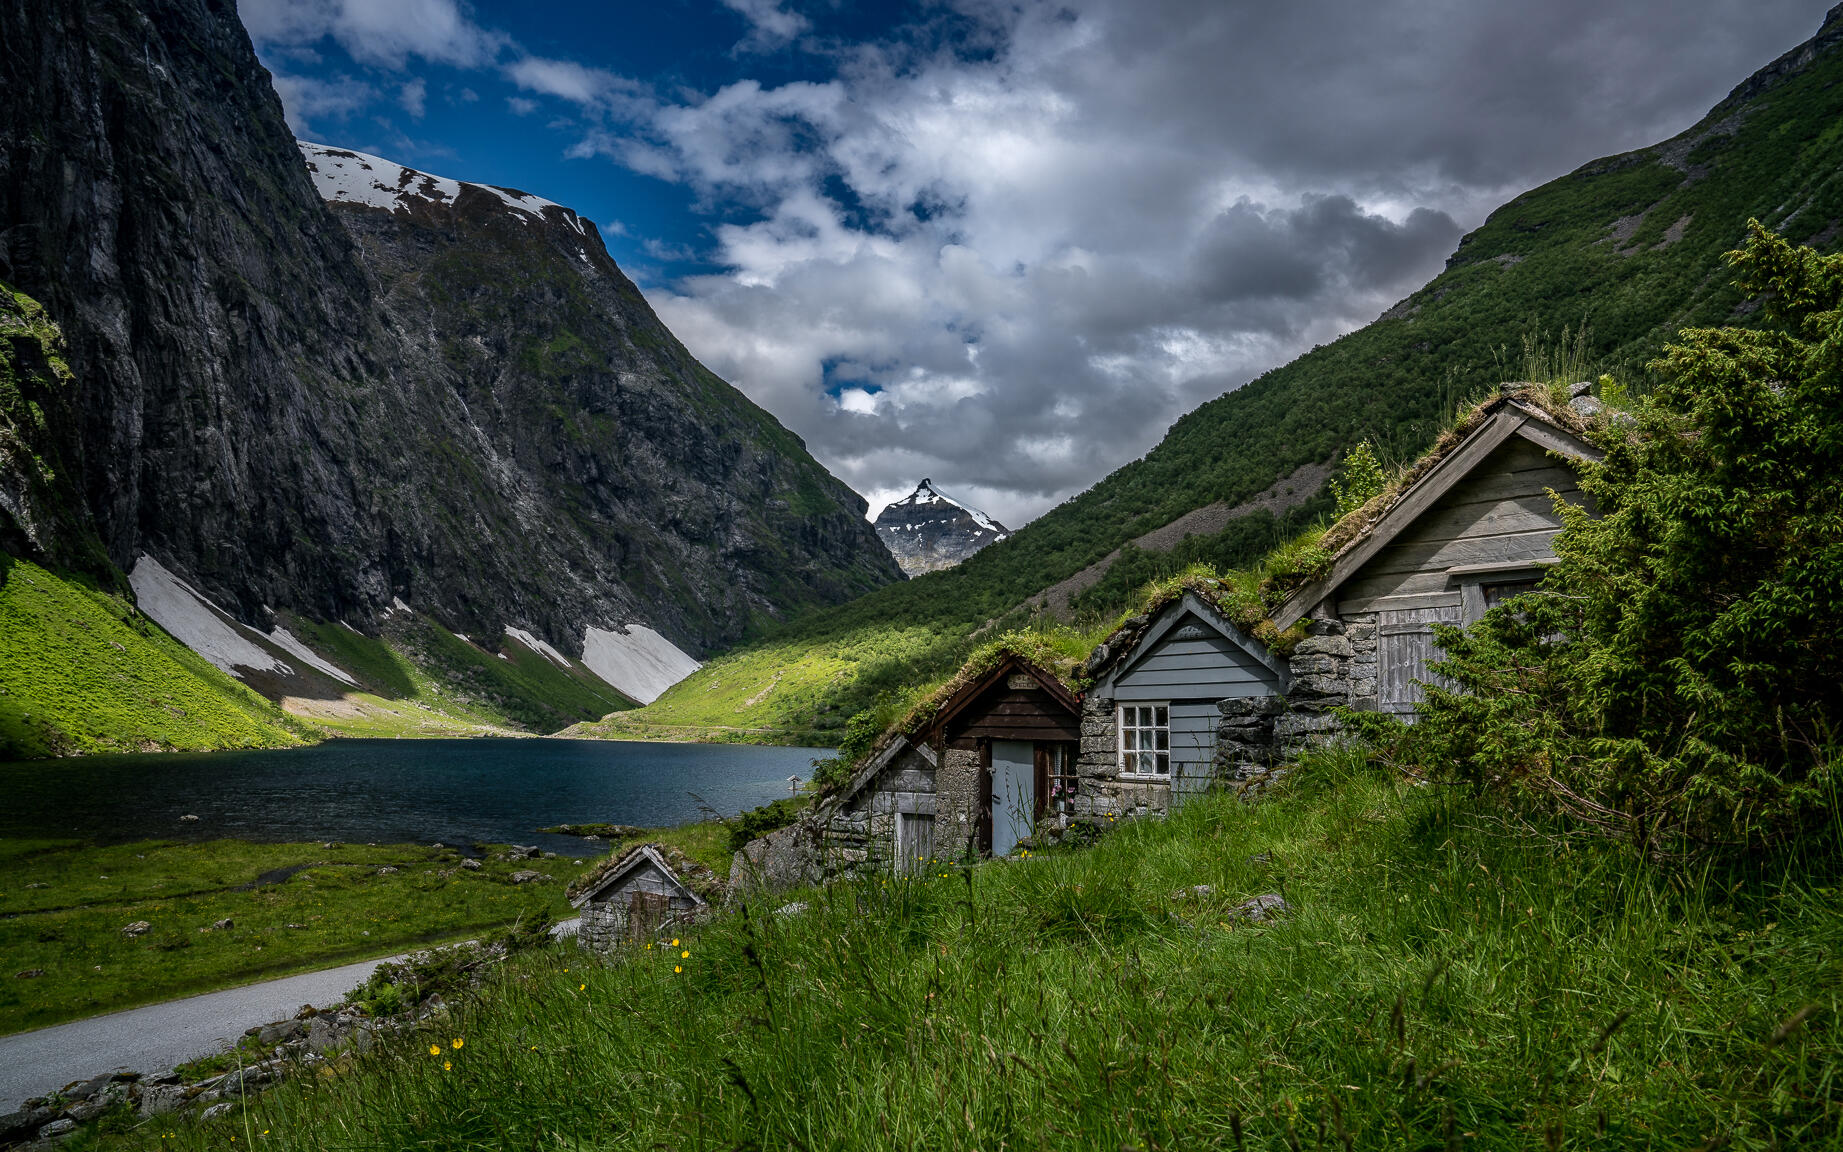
pixel 1496 594
pixel 1145 740
pixel 1061 777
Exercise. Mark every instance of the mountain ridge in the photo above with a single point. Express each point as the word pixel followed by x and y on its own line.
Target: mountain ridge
pixel 929 531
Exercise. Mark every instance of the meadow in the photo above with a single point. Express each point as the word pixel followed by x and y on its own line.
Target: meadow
pixel 1453 972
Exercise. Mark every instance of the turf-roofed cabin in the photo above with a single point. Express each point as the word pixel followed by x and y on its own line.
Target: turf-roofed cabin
pixel 991 762
pixel 632 896
pixel 1475 527
pixel 1181 698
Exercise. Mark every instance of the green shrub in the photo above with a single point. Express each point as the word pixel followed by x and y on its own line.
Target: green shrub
pixel 1677 677
pixel 758 822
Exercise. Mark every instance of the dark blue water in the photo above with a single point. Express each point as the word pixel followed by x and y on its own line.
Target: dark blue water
pixel 454 791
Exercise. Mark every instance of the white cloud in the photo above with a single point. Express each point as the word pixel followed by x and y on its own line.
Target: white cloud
pixel 306 100
pixel 414 97
pixel 521 105
pixel 379 32
pixel 771 26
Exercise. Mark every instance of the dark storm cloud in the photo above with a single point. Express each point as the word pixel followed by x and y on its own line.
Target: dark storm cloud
pixel 1027 236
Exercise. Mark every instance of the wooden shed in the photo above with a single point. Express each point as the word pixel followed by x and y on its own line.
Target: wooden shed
pixel 635 895
pixel 1156 708
pixel 1022 726
pixel 1474 528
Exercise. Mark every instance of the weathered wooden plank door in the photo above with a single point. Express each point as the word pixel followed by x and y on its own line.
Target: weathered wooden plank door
pixel 1404 647
pixel 645 912
pixel 1193 748
pixel 914 841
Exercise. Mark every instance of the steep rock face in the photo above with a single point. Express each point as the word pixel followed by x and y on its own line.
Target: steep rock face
pixel 469 408
pixel 927 530
pixel 578 432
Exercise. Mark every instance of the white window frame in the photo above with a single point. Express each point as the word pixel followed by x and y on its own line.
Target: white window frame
pixel 1122 727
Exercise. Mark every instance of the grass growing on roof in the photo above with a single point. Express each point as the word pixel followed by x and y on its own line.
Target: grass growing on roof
pixel 1450 976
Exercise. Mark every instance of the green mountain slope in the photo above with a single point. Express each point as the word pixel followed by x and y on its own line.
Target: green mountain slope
pixel 1628 246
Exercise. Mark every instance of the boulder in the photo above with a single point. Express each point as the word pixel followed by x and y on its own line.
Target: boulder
pixel 24 1124
pixel 472 865
pixel 216 1110
pixel 1261 909
pixel 138 928
pixel 56 1129
pixel 159 1099
pixel 527 876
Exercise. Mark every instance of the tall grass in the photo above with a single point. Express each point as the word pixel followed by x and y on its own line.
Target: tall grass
pixel 1448 977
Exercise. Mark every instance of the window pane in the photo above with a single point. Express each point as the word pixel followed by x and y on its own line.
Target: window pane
pixel 1163 738
pixel 1164 764
pixel 1163 717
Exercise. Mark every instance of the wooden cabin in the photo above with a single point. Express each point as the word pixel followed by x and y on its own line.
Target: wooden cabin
pixel 1474 529
pixel 995 760
pixel 1180 699
pixel 639 894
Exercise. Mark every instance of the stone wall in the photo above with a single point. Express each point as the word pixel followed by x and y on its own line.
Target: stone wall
pixel 1333 667
pixel 958 802
pixel 1245 736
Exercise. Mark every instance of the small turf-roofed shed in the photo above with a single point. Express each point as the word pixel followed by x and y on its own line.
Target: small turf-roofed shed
pixel 636 894
pixel 1153 715
pixel 1008 742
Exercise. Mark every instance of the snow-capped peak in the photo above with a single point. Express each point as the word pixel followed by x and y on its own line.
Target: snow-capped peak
pixel 927 493
pixel 347 177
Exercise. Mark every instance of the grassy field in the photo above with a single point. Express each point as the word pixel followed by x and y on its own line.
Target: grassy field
pixel 295 908
pixel 63 906
pixel 1451 975
pixel 82 671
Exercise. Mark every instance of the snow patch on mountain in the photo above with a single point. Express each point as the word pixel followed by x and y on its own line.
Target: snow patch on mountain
pixel 286 641
pixel 538 646
pixel 926 493
pixel 347 177
pixel 635 659
pixel 208 630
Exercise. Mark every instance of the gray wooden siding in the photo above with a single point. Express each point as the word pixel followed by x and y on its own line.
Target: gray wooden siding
pixel 1207 667
pixel 1498 514
pixel 1193 748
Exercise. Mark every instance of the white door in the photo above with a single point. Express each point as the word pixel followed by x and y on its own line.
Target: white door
pixel 1014 793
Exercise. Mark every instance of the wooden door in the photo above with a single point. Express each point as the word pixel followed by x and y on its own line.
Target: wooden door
pixel 1405 646
pixel 645 912
pixel 1014 793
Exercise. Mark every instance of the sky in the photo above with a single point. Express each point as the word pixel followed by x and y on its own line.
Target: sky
pixel 1006 243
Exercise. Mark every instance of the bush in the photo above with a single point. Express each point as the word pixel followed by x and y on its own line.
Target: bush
pixel 758 822
pixel 1678 677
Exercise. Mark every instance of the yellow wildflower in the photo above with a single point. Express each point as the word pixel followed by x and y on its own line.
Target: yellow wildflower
pixel 458 1041
pixel 447 1065
pixel 435 1049
pixel 684 955
pixel 678 967
pixel 675 943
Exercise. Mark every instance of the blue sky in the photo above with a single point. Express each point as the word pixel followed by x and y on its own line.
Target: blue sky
pixel 1005 243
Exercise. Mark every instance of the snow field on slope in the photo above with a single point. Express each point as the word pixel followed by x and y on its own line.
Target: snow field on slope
pixel 641 663
pixel 209 631
pixel 347 177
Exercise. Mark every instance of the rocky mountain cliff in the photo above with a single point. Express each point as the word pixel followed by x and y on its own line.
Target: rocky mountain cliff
pixel 453 400
pixel 927 530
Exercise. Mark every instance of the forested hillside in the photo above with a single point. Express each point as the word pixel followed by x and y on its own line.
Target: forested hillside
pixel 1626 249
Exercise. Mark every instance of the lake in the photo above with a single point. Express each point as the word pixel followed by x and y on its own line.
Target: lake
pixel 394 791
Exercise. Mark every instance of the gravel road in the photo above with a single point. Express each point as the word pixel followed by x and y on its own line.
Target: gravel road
pixel 154 1038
